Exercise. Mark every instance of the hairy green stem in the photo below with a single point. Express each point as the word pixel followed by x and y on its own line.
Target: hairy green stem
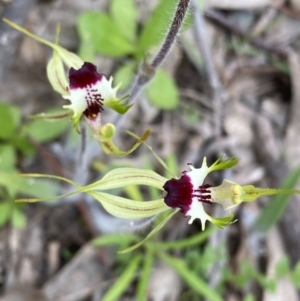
pixel 172 34
pixel 148 70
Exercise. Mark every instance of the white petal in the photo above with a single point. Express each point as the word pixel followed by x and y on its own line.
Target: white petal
pixel 197 211
pixel 105 89
pixel 78 100
pixel 198 175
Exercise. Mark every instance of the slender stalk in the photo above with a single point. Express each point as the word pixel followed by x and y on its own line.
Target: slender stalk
pixel 172 34
pixel 148 70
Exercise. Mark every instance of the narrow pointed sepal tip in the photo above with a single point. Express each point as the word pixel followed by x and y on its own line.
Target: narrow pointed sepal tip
pixel 56 74
pixel 222 222
pixel 220 164
pixel 120 105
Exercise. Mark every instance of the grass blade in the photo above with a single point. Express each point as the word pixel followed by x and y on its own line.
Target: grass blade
pixel 187 242
pixel 276 207
pixel 190 278
pixel 141 294
pixel 117 289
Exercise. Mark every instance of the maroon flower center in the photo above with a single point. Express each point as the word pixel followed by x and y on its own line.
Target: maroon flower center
pixel 94 103
pixel 180 193
pixel 84 77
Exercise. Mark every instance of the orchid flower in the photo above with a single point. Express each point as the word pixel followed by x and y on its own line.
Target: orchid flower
pixel 186 194
pixel 87 90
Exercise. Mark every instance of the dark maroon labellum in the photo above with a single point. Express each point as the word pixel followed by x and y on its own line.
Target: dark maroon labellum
pixel 84 77
pixel 179 193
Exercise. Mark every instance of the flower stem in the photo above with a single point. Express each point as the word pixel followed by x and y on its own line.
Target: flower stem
pixel 148 70
pixel 173 31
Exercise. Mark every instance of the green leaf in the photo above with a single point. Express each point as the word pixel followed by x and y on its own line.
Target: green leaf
pixel 7 157
pixel 156 26
pixel 87 50
pixel 125 74
pixel 123 282
pixel 104 34
pixel 162 91
pixel 18 219
pixel 23 145
pixel 45 131
pixel 277 205
pixel 5 212
pixel 191 279
pixel 124 14
pixel 141 294
pixel 9 120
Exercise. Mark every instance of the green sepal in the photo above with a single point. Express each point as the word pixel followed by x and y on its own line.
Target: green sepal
pixel 222 222
pixel 125 208
pixel 252 193
pixel 76 121
pixel 115 205
pixel 52 117
pixel 117 178
pixel 69 58
pixel 151 234
pixel 121 177
pixel 219 164
pixel 121 105
pixel 56 74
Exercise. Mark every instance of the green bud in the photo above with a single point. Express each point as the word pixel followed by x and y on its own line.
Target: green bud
pixel 107 131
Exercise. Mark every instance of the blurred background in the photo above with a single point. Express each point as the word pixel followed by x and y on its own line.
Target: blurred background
pixel 230 85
